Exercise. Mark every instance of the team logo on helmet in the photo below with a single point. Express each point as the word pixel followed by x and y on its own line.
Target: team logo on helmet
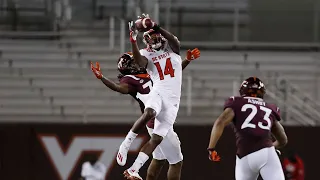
pixel 253 87
pixel 127 66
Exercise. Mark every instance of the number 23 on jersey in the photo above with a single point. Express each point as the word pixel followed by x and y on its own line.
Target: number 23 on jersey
pixel 254 110
pixel 168 69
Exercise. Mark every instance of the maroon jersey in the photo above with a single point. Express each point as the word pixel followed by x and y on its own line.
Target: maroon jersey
pixel 139 88
pixel 252 123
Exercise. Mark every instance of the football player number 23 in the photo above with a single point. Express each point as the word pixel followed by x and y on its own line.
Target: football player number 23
pixel 168 70
pixel 247 122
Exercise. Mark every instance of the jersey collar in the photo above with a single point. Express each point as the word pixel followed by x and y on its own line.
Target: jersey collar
pixel 142 75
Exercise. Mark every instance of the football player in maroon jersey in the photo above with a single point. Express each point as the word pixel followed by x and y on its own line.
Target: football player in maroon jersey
pixel 254 122
pixel 136 82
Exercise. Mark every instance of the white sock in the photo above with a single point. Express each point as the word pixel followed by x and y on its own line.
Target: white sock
pixel 139 162
pixel 129 138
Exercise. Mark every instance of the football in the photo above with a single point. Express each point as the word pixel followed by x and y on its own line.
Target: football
pixel 143 25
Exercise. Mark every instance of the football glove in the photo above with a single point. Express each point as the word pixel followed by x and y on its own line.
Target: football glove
pixel 213 155
pixel 192 55
pixel 133 32
pixel 96 70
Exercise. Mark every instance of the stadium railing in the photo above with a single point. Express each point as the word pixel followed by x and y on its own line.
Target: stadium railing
pixel 28 15
pixel 297 99
pixel 242 20
pixel 297 105
pixel 292 115
pixel 285 85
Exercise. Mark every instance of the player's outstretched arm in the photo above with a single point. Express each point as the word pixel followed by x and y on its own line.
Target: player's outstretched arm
pixel 280 135
pixel 223 120
pixel 118 87
pixel 138 58
pixel 191 55
pixel 172 39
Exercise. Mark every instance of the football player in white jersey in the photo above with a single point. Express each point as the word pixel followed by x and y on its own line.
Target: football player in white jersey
pixel 136 82
pixel 162 60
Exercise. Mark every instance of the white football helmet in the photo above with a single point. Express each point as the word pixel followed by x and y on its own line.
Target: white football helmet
pixel 153 39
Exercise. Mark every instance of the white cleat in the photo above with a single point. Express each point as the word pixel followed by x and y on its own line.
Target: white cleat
pixel 131 175
pixel 122 155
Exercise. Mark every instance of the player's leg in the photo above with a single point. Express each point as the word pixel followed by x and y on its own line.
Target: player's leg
pixel 170 147
pixel 154 169
pixel 153 107
pixel 272 170
pixel 149 113
pixel 243 170
pixel 160 130
pixel 157 162
pixel 174 172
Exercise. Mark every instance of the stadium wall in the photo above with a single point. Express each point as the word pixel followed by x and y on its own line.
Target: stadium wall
pixel 56 151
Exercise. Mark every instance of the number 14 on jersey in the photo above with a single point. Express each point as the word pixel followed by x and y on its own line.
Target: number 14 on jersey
pixel 168 69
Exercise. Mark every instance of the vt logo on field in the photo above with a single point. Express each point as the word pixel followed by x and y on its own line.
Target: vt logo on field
pixel 65 159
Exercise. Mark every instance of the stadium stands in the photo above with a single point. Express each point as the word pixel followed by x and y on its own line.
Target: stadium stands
pixel 50 101
pixel 45 76
pixel 204 20
pixel 51 80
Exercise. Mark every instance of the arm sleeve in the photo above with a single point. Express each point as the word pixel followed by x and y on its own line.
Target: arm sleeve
pixel 130 82
pixel 229 103
pixel 276 113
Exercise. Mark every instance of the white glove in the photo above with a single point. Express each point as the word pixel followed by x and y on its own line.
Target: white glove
pixel 133 32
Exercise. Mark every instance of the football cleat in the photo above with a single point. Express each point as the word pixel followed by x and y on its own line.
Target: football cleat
pixel 122 155
pixel 131 174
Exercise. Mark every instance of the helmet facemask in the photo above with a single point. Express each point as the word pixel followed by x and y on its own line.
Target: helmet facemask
pixel 153 39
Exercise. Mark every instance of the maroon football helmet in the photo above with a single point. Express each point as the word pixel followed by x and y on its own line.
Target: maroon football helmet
pixel 127 66
pixel 252 87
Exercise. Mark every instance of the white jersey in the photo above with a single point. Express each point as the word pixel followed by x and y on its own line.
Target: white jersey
pixel 165 70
